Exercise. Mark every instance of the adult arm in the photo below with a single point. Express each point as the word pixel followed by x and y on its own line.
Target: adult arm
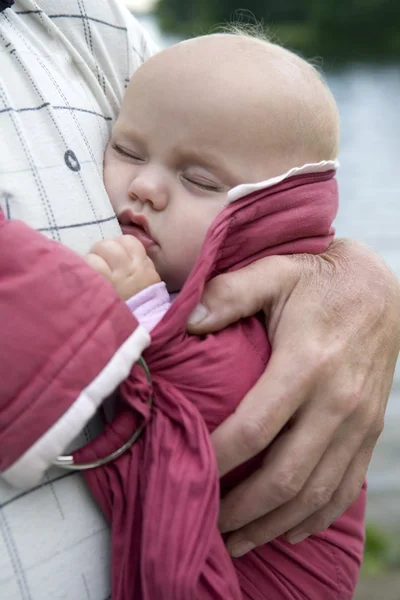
pixel 67 341
pixel 334 325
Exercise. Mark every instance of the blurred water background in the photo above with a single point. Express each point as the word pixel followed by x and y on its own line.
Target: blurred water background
pixel 366 84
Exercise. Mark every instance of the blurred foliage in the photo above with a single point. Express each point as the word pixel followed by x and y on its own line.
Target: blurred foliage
pixel 343 28
pixel 382 552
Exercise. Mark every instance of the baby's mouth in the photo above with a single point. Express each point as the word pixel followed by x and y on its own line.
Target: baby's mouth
pixel 136 225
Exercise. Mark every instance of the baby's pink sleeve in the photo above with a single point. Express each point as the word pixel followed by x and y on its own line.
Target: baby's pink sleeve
pixel 150 305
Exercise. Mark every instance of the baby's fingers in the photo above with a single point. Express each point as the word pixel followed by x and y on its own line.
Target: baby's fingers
pixel 132 246
pixel 97 263
pixel 112 252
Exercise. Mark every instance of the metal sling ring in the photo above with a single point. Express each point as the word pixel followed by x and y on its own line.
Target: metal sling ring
pixel 67 461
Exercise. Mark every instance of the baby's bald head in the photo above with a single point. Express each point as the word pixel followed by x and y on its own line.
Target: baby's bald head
pixel 261 98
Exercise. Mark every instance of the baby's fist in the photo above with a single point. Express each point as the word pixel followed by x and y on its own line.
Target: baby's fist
pixel 125 264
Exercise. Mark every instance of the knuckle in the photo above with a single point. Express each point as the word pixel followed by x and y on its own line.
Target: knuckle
pixel 322 520
pixel 111 249
pixel 96 263
pixel 223 290
pixel 376 430
pixel 286 486
pixel 91 259
pixel 109 243
pixel 345 497
pixel 317 498
pixel 230 290
pixel 317 361
pixel 354 398
pixel 254 435
pixel 260 534
pixel 322 357
pixel 369 423
pixel 98 246
pixel 371 417
pixel 346 403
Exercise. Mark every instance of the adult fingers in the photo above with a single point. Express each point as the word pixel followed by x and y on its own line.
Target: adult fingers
pixel 316 498
pixel 288 383
pixel 301 469
pixel 346 493
pixel 260 416
pixel 227 297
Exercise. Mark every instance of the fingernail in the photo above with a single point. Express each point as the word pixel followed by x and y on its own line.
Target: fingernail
pixel 241 548
pixel 296 538
pixel 198 315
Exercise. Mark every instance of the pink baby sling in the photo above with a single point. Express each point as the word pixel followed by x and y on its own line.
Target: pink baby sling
pixel 162 496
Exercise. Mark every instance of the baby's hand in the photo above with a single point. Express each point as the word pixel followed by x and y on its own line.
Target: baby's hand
pixel 124 263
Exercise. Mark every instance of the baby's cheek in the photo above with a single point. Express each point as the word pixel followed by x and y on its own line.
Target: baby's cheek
pixel 112 188
pixel 116 181
pixel 189 252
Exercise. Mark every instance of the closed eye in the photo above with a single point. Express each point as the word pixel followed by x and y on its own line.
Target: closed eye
pixel 208 187
pixel 127 154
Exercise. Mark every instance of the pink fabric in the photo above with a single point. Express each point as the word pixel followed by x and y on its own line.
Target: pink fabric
pixel 60 325
pixel 150 305
pixel 162 496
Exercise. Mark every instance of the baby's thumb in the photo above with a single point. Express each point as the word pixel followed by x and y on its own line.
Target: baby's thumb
pixel 233 296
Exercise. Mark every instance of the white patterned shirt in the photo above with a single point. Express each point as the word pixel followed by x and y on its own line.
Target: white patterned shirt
pixel 64 67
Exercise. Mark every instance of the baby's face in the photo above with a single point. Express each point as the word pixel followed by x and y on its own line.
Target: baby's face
pixel 168 167
pixel 167 177
pixel 187 133
pixel 164 195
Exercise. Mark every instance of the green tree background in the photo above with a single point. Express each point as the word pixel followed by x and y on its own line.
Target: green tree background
pixel 344 28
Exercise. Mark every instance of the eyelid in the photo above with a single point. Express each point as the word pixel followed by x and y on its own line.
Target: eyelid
pixel 204 185
pixel 133 154
pixel 200 177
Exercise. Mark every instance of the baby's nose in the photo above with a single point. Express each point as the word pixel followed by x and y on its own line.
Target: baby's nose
pixel 150 187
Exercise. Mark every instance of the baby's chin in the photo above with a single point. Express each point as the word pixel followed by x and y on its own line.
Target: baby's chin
pixel 173 285
pixel 173 280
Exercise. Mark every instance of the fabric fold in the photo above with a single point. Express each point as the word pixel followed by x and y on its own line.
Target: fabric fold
pixel 162 496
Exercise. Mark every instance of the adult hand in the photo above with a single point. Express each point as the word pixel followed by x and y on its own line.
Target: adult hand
pixel 334 324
